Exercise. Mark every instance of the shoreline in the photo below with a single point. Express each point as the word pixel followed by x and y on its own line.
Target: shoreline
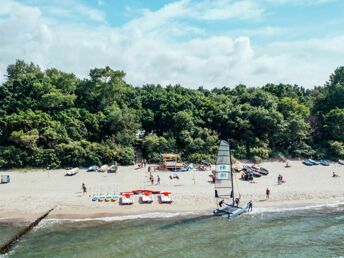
pixel 31 192
pixel 304 205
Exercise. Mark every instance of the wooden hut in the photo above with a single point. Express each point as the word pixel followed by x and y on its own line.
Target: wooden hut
pixel 170 161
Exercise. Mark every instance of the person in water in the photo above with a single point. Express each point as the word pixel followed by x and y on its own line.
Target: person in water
pixel 267 192
pixel 250 206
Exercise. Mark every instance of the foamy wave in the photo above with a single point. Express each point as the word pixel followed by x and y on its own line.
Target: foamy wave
pixel 338 205
pixel 46 223
pixel 153 215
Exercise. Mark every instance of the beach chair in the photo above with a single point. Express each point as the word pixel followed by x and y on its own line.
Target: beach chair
pixel 126 199
pixel 165 198
pixel 146 198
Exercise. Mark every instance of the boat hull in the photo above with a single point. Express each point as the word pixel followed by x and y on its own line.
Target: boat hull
pixel 230 211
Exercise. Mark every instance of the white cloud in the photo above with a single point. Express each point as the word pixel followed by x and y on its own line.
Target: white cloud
pixel 147 49
pixel 227 9
pixel 300 2
pixel 91 13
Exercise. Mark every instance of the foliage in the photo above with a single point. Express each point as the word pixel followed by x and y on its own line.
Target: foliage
pixel 52 119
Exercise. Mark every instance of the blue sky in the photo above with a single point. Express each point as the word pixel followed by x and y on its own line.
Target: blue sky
pixel 213 43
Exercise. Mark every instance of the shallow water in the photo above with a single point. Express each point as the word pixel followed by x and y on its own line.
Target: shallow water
pixel 311 233
pixel 6 231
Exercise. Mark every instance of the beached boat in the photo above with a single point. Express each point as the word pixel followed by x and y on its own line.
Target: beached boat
pixel 72 172
pixel 341 161
pixel 146 197
pixel 113 169
pixel 165 198
pixel 260 170
pixel 247 174
pixel 115 197
pixel 324 162
pixel 93 168
pixel 307 162
pixel 314 163
pixel 249 170
pixel 224 185
pixel 185 168
pixel 103 168
pixel 108 198
pixel 101 198
pixel 126 199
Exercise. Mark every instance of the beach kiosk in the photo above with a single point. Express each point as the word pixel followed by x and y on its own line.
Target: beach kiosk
pixel 170 161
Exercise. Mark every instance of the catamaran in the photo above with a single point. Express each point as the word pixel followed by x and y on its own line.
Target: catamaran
pixel 224 186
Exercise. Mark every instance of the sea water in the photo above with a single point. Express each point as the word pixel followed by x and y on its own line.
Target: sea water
pixel 298 233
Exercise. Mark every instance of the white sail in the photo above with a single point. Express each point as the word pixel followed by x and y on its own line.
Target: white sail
pixel 223 173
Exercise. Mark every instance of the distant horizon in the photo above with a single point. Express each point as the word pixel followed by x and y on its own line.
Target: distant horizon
pixel 219 43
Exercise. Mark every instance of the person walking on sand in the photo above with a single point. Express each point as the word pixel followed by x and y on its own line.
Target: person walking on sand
pixel 84 189
pixel 267 192
pixel 158 180
pixel 279 179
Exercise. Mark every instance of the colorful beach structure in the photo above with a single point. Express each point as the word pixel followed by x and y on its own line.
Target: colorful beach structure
pixel 170 161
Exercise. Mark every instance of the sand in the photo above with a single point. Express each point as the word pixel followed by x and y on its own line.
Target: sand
pixel 32 192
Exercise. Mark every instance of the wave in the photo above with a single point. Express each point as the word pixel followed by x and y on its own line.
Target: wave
pixel 152 215
pixel 339 205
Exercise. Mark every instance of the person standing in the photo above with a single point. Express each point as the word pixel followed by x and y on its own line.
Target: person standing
pixel 267 192
pixel 151 179
pixel 84 189
pixel 250 206
pixel 237 201
pixel 158 180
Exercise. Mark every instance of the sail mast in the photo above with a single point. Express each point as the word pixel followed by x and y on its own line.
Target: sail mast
pixel 231 171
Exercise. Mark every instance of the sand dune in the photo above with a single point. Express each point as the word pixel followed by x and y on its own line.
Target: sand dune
pixel 32 192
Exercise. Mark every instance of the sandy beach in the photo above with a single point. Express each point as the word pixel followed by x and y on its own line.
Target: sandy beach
pixel 32 192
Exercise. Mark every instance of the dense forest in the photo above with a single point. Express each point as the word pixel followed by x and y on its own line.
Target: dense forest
pixel 53 119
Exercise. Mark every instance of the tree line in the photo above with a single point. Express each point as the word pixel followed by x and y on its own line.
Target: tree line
pixel 49 118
